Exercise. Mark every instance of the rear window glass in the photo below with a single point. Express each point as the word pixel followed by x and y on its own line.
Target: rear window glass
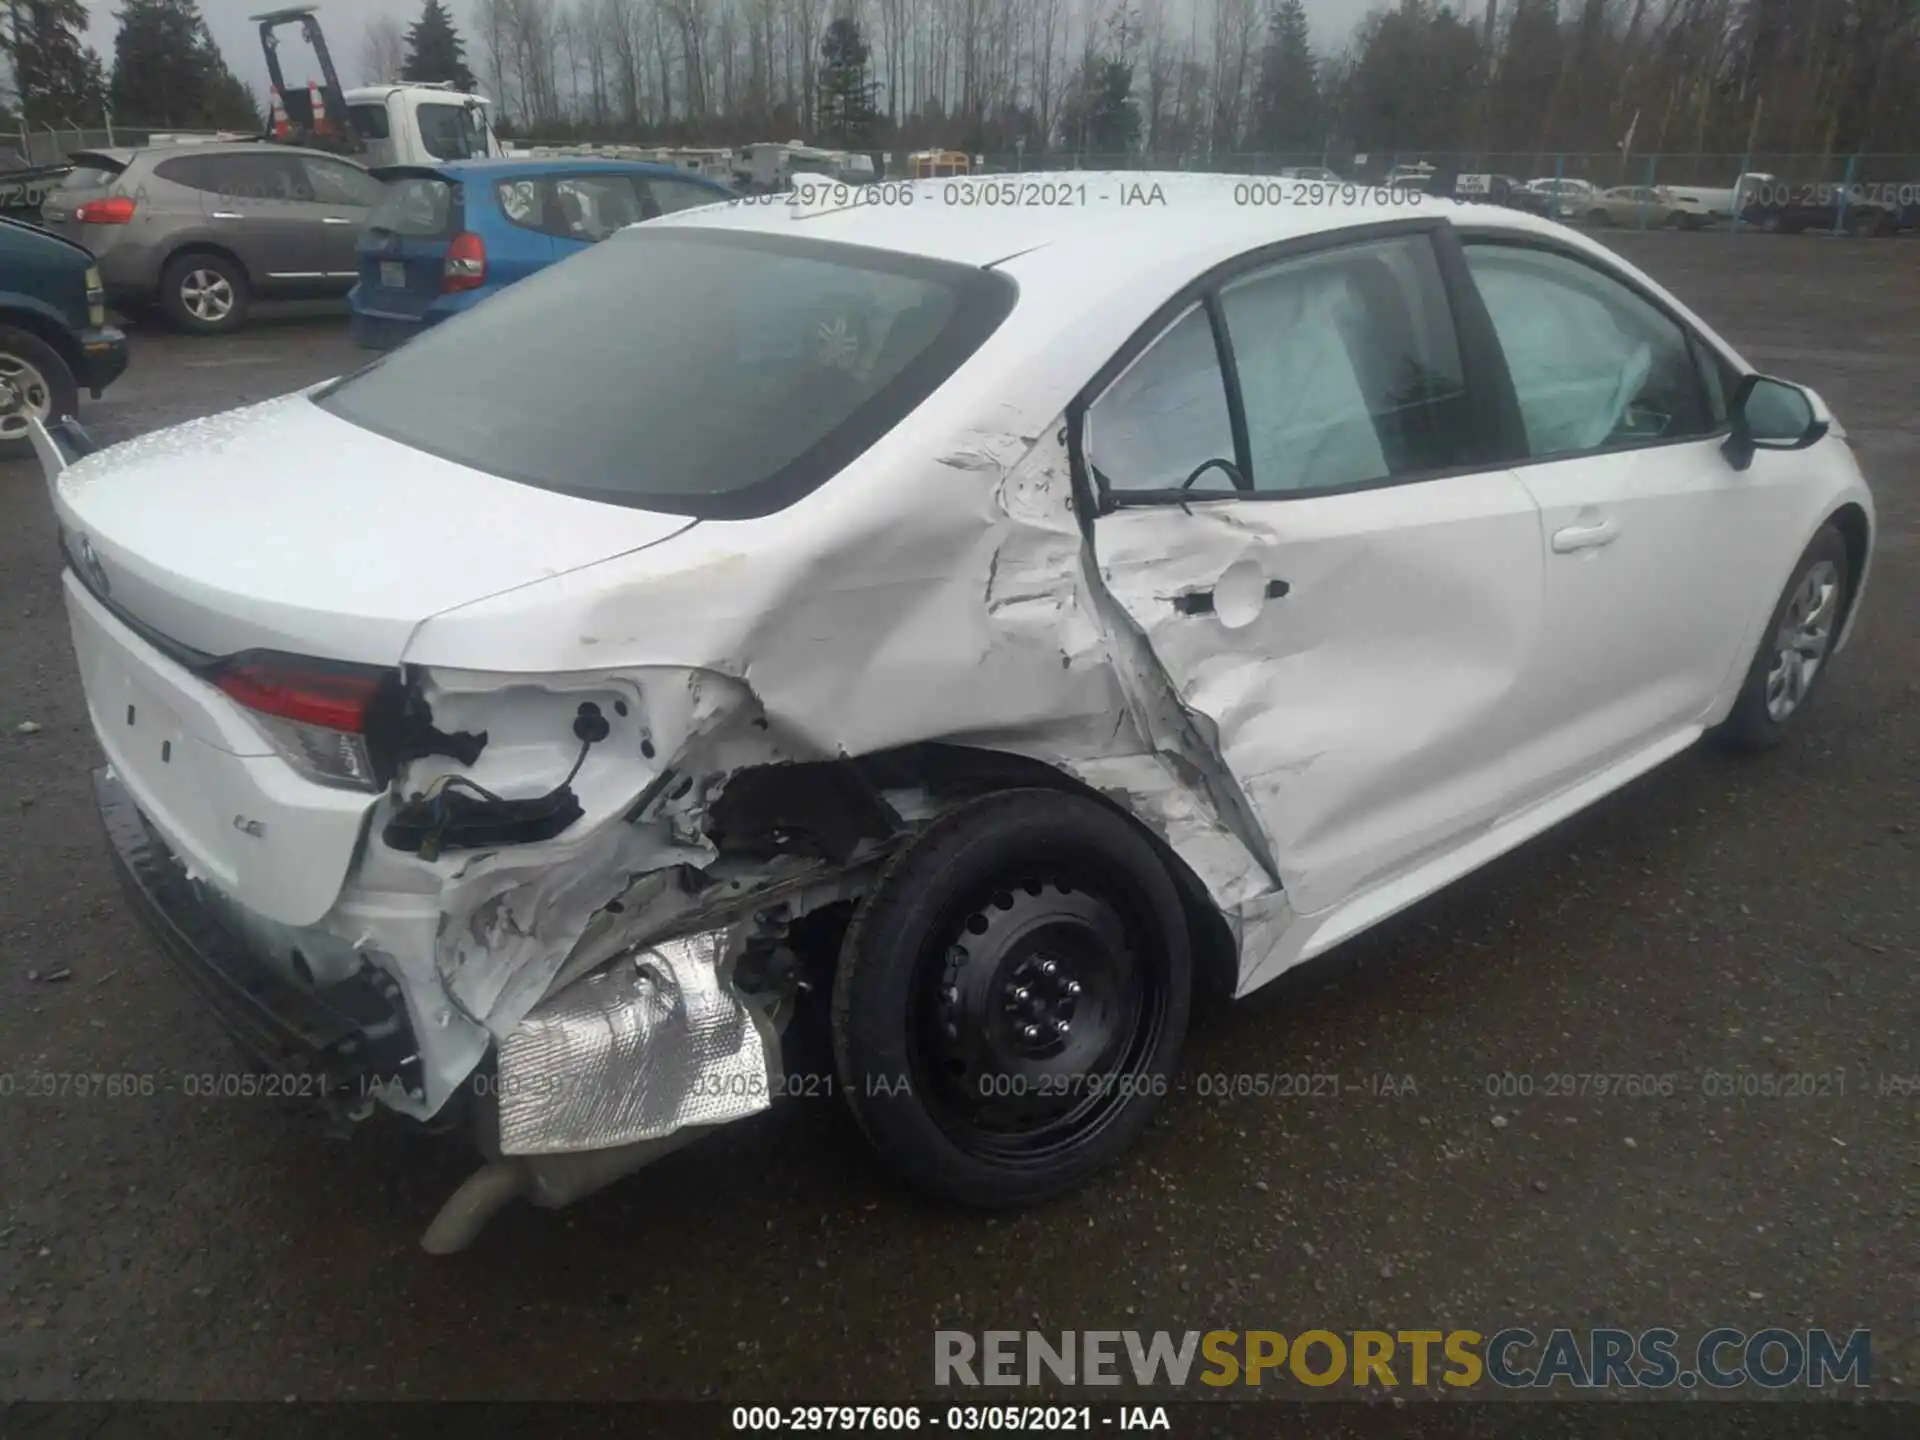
pixel 88 177
pixel 689 370
pixel 416 205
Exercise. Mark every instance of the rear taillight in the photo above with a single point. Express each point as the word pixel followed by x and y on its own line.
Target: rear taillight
pixel 317 713
pixel 114 210
pixel 466 266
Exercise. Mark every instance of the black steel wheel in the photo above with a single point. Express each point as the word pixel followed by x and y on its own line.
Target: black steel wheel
pixel 1011 997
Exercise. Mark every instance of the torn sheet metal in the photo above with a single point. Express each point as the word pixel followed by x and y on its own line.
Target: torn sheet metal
pixel 650 1045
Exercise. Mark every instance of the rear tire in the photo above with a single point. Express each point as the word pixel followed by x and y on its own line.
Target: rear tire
pixel 1796 648
pixel 39 383
pixel 1011 998
pixel 205 294
pixel 1599 217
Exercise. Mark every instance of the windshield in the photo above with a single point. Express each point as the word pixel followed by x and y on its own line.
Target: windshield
pixel 689 370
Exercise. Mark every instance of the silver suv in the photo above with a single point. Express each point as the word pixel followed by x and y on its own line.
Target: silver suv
pixel 200 231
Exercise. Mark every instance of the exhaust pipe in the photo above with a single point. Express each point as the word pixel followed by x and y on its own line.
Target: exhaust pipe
pixel 549 1181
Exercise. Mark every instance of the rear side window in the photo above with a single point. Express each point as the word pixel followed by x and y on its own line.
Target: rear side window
pixel 1165 421
pixel 334 182
pixel 1348 368
pixel 419 206
pixel 369 122
pixel 196 172
pixel 574 207
pixel 689 370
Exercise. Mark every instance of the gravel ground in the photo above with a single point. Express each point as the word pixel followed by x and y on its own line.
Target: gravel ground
pixel 1721 915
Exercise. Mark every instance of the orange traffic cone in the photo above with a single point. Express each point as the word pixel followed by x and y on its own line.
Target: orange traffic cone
pixel 277 120
pixel 318 108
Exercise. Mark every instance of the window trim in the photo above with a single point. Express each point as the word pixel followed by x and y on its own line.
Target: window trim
pixel 1699 348
pixel 1472 329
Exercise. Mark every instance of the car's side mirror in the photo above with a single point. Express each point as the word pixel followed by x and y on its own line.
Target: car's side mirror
pixel 1771 414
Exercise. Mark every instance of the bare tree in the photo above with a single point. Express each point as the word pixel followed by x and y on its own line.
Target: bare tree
pixel 383 50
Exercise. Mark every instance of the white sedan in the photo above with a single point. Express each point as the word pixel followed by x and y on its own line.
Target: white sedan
pixel 962 627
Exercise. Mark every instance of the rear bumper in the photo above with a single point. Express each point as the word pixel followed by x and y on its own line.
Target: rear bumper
pixel 103 358
pixel 375 331
pixel 348 1040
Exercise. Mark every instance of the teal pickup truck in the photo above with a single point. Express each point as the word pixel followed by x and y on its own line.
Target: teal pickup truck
pixel 54 336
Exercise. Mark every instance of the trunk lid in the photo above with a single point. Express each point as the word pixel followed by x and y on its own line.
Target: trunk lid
pixel 404 247
pixel 282 527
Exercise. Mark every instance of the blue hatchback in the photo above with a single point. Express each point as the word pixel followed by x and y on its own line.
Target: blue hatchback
pixel 444 237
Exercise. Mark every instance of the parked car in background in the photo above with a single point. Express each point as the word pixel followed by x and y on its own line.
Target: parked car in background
pixel 1566 199
pixel 1788 209
pixel 54 336
pixel 199 232
pixel 1317 174
pixel 1629 205
pixel 443 238
pixel 1504 190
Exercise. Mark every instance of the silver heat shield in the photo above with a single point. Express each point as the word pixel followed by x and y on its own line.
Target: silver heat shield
pixel 652 1044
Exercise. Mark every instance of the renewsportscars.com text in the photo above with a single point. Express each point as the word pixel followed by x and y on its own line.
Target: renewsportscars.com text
pixel 1514 1358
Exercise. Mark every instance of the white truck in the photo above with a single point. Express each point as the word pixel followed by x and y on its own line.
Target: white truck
pixel 1715 205
pixel 406 123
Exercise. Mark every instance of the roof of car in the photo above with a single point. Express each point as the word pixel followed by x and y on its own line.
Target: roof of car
pixel 507 166
pixel 1183 219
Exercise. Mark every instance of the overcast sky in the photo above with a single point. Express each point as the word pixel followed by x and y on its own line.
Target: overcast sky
pixel 345 22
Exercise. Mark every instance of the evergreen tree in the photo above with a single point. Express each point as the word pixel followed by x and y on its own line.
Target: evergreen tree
pixel 167 71
pixel 847 94
pixel 1099 116
pixel 435 52
pixel 1286 102
pixel 59 79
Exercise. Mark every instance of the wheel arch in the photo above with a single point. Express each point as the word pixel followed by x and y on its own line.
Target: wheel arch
pixel 206 247
pixel 1856 528
pixel 786 798
pixel 47 330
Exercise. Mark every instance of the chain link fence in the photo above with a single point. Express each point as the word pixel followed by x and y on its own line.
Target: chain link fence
pixel 35 145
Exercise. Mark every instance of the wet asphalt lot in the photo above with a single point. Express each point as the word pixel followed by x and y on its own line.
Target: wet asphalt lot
pixel 1722 916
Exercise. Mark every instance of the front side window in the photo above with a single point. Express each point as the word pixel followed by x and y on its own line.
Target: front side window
pixel 447 132
pixel 1348 368
pixel 1594 365
pixel 1164 422
pixel 684 369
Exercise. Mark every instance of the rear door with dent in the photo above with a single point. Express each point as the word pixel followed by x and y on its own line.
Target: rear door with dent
pixel 1298 510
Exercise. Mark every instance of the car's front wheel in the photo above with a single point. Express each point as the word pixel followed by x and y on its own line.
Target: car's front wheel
pixel 1011 998
pixel 204 294
pixel 34 382
pixel 1795 648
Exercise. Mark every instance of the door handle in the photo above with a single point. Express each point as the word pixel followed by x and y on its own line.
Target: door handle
pixel 335 220
pixel 1584 537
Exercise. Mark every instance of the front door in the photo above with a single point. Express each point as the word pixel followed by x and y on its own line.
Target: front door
pixel 1651 539
pixel 1300 517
